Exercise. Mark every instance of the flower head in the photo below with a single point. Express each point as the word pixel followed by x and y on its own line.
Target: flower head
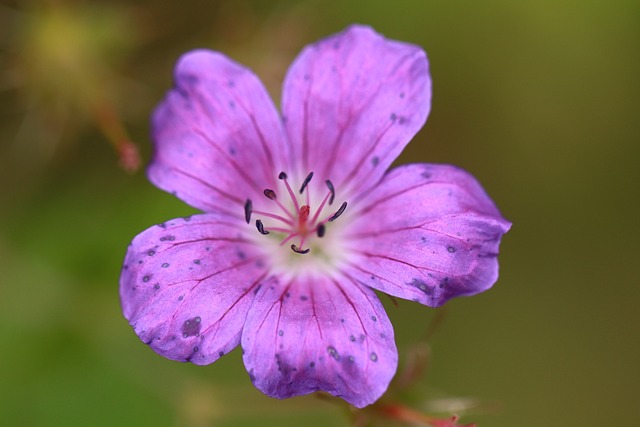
pixel 302 219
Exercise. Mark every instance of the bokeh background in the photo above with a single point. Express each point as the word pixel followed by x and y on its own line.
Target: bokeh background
pixel 539 99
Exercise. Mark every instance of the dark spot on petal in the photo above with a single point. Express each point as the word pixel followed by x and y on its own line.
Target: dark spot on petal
pixel 312 364
pixel 375 160
pixel 280 332
pixel 352 338
pixel 167 238
pixel 333 353
pixel 351 359
pixel 156 286
pixel 374 318
pixel 221 353
pixel 303 298
pixel 146 278
pixel 189 79
pixel 195 349
pixel 165 265
pixel 451 249
pixel 151 252
pixel 420 284
pixel 393 117
pixel 184 94
pixel 187 218
pixel 402 120
pixel 191 327
pixel 242 255
pixel 373 357
pixel 181 297
pixel 342 320
pixel 255 291
pixel 196 261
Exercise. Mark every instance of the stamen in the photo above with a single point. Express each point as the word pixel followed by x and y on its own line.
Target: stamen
pixel 274 216
pixel 271 195
pixel 332 190
pixel 283 176
pixel 305 182
pixel 260 227
pixel 248 207
pixel 295 249
pixel 339 212
pixel 296 223
pixel 319 210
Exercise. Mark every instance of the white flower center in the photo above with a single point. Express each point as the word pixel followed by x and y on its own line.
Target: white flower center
pixel 300 234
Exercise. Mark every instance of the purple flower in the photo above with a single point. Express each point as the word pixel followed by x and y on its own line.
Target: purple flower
pixel 302 219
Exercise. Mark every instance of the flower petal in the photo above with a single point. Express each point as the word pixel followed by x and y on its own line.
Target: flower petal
pixel 317 334
pixel 428 233
pixel 218 137
pixel 186 286
pixel 352 102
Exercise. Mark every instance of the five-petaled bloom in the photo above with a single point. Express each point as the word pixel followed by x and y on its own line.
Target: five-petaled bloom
pixel 302 220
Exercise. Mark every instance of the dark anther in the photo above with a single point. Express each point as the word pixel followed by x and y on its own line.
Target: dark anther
pixel 335 216
pixel 320 230
pixel 282 175
pixel 332 190
pixel 270 194
pixel 306 181
pixel 260 227
pixel 297 250
pixel 248 207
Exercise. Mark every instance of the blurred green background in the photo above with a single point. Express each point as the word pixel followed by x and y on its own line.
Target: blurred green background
pixel 538 99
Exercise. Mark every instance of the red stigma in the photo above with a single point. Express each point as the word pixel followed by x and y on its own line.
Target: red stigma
pixel 303 214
